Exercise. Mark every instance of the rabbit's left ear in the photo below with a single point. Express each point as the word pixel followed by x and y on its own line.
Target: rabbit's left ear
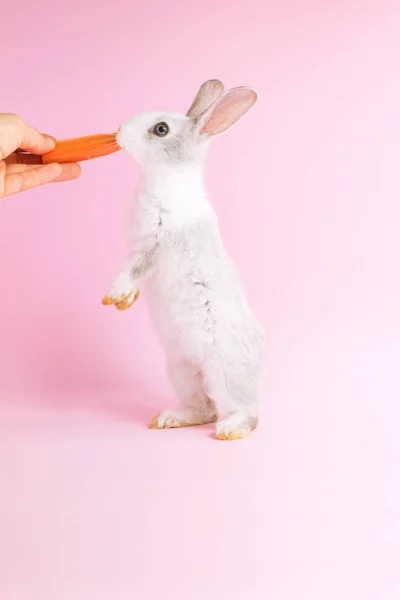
pixel 226 111
pixel 207 94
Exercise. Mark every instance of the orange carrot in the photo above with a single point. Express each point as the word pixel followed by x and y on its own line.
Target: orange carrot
pixel 82 148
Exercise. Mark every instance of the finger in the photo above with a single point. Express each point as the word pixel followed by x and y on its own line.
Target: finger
pixel 19 168
pixel 49 137
pixel 69 171
pixel 46 135
pixel 35 142
pixel 23 159
pixel 15 133
pixel 19 182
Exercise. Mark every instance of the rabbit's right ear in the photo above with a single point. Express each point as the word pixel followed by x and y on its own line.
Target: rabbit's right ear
pixel 209 92
pixel 226 111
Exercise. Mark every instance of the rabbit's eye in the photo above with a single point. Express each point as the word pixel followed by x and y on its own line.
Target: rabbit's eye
pixel 161 129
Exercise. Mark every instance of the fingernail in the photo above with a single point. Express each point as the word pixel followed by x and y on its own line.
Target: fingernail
pixel 50 141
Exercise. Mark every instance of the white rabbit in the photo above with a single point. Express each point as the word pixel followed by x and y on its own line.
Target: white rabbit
pixel 214 345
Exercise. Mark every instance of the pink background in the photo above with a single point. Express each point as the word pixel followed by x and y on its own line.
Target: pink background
pixel 92 504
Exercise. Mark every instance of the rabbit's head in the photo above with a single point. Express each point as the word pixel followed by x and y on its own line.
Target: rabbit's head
pixel 157 138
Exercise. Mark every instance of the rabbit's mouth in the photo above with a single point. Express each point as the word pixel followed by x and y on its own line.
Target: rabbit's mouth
pixel 121 138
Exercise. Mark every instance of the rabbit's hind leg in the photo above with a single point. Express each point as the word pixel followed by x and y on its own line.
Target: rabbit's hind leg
pixel 237 426
pixel 235 393
pixel 196 407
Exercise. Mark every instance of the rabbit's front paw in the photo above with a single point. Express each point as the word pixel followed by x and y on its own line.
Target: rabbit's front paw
pixel 123 293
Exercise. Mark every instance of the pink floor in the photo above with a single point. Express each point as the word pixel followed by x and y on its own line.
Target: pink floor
pixel 95 506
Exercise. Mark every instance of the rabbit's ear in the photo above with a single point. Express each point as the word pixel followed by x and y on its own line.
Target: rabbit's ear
pixel 226 111
pixel 207 94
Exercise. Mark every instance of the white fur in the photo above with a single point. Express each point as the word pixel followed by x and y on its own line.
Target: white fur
pixel 214 345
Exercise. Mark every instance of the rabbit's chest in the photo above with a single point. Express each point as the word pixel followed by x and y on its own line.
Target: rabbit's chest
pixel 187 255
pixel 180 295
pixel 180 274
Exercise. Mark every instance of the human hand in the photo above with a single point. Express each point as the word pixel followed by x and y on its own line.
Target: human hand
pixel 21 149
